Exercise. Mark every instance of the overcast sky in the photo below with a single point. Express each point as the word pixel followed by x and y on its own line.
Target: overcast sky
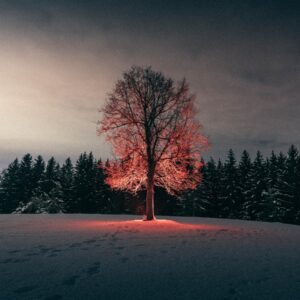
pixel 59 59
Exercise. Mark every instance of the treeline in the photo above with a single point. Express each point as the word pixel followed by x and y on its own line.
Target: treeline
pixel 34 186
pixel 263 189
pixel 266 189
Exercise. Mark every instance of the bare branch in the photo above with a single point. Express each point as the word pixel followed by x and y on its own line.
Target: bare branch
pixel 151 124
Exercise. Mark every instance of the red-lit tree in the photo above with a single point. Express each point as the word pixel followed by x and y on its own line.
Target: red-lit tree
pixel 152 126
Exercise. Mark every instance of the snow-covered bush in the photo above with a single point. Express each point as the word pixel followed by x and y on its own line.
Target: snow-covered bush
pixel 42 203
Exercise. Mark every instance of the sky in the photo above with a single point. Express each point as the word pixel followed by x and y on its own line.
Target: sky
pixel 60 59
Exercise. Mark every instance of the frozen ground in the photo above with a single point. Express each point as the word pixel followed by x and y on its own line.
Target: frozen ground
pixel 52 257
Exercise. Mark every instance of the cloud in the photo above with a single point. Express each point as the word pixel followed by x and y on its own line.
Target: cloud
pixel 60 59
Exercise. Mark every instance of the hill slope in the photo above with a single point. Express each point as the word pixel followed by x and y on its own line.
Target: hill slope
pixel 52 257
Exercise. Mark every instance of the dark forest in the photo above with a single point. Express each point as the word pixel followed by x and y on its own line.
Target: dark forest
pixel 265 189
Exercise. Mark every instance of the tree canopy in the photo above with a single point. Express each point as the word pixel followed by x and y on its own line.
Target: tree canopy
pixel 152 125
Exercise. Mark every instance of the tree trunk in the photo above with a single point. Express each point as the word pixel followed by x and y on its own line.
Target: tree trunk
pixel 150 199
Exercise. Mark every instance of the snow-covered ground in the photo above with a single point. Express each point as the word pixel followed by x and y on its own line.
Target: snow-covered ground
pixel 52 257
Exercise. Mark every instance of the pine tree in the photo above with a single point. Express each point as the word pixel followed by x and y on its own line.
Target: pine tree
pixel 66 182
pixel 9 189
pixel 266 190
pixel 46 198
pixel 289 187
pixel 244 171
pixel 275 172
pixel 25 179
pixel 114 199
pixel 103 192
pixel 253 207
pixel 266 207
pixel 297 194
pixel 230 193
pixel 50 178
pixel 270 197
pixel 210 191
pixel 50 192
pixel 38 170
pixel 84 187
pixel 190 200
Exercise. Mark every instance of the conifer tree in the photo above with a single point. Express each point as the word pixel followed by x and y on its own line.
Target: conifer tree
pixel 66 183
pixel 281 166
pixel 253 206
pixel 273 170
pixel 9 189
pixel 270 200
pixel 190 200
pixel 114 199
pixel 210 204
pixel 50 178
pixel 244 171
pixel 25 179
pixel 231 196
pixel 47 196
pixel 296 215
pixel 289 186
pixel 103 191
pixel 38 170
pixel 84 187
pixel 267 190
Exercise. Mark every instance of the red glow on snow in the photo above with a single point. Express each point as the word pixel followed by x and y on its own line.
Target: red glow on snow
pixel 109 224
pixel 139 225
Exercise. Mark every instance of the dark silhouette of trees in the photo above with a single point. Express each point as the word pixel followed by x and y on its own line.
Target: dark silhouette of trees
pixel 9 190
pixel 66 178
pixel 265 189
pixel 84 186
pixel 38 170
pixel 25 179
pixel 258 189
pixel 244 173
pixel 289 187
pixel 230 194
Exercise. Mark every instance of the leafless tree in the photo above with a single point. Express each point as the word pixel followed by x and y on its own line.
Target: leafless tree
pixel 152 126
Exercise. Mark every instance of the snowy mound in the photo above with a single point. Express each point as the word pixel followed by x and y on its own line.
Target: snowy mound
pixel 52 257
